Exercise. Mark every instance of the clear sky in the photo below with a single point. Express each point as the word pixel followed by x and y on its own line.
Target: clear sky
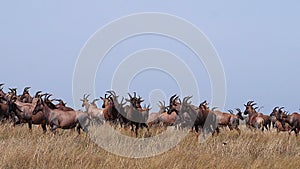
pixel 258 43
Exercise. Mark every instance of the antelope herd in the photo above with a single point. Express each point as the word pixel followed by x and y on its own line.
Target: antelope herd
pixel 129 112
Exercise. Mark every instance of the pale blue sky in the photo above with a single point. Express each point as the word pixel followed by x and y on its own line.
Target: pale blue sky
pixel 258 43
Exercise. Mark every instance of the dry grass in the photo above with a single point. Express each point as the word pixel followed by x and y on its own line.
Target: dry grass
pixel 22 149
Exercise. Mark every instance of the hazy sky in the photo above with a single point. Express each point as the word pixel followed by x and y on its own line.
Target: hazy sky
pixel 258 43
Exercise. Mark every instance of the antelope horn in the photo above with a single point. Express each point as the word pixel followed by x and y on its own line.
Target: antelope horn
pixel 45 94
pixel 87 96
pixel 172 97
pixel 122 104
pixel 108 91
pixel 160 104
pixel 238 109
pixel 275 108
pixel 134 94
pixel 129 96
pixel 122 100
pixel 281 108
pixel 184 100
pixel 230 111
pixel 214 108
pixel 179 100
pixel 189 97
pixel 49 95
pixel 95 100
pixel 249 103
pixel 37 94
pixel 164 103
pixel 203 102
pixel 26 88
pixel 114 93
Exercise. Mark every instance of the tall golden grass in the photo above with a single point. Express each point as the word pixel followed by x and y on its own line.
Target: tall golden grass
pixel 66 149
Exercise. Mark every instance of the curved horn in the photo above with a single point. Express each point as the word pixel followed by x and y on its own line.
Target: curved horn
pixel 275 108
pixel 214 108
pixel 238 109
pixel 1 86
pixel 261 107
pixel 281 108
pixel 87 96
pixel 160 104
pixel 26 88
pixel 203 102
pixel 189 97
pixel 49 95
pixel 129 95
pixel 172 97
pixel 184 100
pixel 37 94
pixel 249 102
pixel 134 94
pixel 95 100
pixel 45 94
pixel 112 93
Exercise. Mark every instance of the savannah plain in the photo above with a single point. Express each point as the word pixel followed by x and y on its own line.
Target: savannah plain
pixel 21 148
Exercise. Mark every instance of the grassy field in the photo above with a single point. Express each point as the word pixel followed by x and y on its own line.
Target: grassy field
pixel 23 149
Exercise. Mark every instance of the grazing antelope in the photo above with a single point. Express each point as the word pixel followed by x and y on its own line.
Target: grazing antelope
pixel 277 121
pixel 293 120
pixel 135 114
pixel 122 115
pixel 4 111
pixel 198 116
pixel 254 120
pixel 25 97
pixel 110 112
pixel 92 110
pixel 61 119
pixel 274 116
pixel 24 113
pixel 154 117
pixel 229 119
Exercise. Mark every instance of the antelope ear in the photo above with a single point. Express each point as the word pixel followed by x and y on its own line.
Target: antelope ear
pixel 101 98
pixel 245 105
